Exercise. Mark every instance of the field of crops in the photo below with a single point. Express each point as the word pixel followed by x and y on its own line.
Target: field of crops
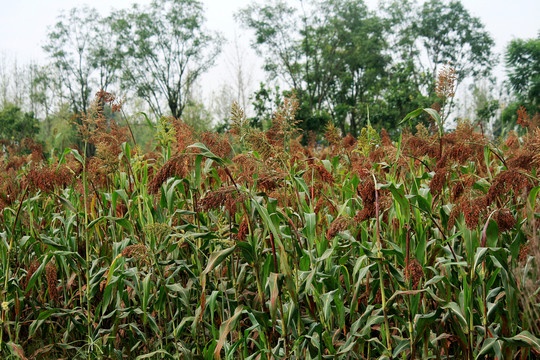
pixel 250 245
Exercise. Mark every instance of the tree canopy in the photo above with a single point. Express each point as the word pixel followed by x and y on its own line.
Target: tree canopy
pixel 155 52
pixel 16 124
pixel 166 50
pixel 343 59
pixel 523 63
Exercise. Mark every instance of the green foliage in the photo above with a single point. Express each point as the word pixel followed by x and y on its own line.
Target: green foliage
pixel 353 65
pixel 16 125
pixel 523 63
pixel 320 60
pixel 197 116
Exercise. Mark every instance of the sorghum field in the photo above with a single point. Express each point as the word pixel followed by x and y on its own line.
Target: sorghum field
pixel 250 245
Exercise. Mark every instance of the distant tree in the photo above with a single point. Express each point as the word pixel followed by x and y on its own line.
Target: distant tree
pixel 197 116
pixel 14 84
pixel 448 34
pixel 523 64
pixel 276 38
pixel 407 80
pixel 82 47
pixel 358 65
pixel 16 124
pixel 166 50
pixel 523 67
pixel 59 130
pixel 330 52
pixel 220 106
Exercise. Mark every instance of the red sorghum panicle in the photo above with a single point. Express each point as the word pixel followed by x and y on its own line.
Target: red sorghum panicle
pixel 52 279
pixel 323 174
pixel 176 166
pixel 217 143
pixel 225 196
pixel 137 251
pixel 415 273
pixel 472 210
pixel 512 141
pixel 385 138
pixel 504 182
pixel 111 99
pixel 366 190
pixel 445 87
pixel 524 253
pixel 523 117
pixel 321 202
pixel 34 265
pixel 522 160
pixel 338 225
pixel 184 135
pixel 504 219
pixel 439 180
pixel 270 181
pixel 243 229
pixel 349 142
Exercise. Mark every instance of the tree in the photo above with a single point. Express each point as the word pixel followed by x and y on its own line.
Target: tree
pixel 333 60
pixel 16 124
pixel 406 81
pixel 82 48
pixel 166 50
pixel 523 68
pixel 276 38
pixel 358 61
pixel 292 54
pixel 448 34
pixel 523 64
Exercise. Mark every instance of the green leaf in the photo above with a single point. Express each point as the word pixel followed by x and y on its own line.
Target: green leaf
pixel 411 115
pixel 327 299
pixel 77 156
pixel 16 350
pixel 401 346
pixel 225 329
pixel 432 112
pixel 491 345
pixel 274 293
pixel 44 315
pixel 67 203
pixel 532 197
pixel 217 258
pixel 148 121
pixel 208 154
pixel 153 355
pixel 479 257
pixel 456 310
pixel 525 337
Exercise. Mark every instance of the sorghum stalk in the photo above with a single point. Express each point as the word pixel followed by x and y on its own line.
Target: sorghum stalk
pixel 381 281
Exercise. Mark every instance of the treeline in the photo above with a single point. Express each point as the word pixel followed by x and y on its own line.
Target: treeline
pixel 348 65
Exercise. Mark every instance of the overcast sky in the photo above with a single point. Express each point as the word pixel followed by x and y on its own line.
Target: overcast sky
pixel 23 27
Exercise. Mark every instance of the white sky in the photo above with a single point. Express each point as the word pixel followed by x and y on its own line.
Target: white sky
pixel 23 27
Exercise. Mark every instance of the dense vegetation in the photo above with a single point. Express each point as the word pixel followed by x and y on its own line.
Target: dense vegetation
pixel 333 223
pixel 250 245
